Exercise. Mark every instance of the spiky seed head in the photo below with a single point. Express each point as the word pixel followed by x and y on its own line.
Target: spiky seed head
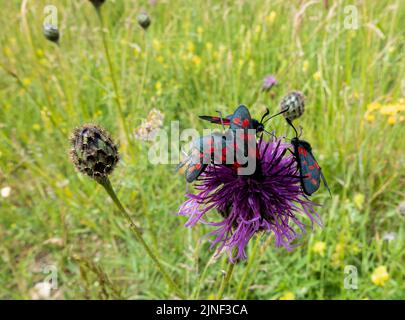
pixel 144 20
pixel 294 103
pixel 51 32
pixel 97 3
pixel 93 151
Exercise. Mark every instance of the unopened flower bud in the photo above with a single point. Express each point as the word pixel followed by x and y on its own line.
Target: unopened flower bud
pixel 144 20
pixel 294 104
pixel 97 3
pixel 51 32
pixel 93 151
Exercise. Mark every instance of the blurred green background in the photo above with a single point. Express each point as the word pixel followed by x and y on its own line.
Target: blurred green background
pixel 195 58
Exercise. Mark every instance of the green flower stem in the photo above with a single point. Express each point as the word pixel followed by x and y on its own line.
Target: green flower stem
pixel 112 74
pixel 108 187
pixel 248 267
pixel 225 280
pixel 202 277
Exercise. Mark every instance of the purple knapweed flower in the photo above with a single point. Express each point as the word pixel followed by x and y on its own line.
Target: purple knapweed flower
pixel 269 82
pixel 270 201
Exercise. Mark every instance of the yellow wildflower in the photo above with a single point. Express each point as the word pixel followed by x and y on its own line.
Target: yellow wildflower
pixel 391 109
pixel 317 76
pixel 209 46
pixel 373 106
pixel 380 276
pixel 196 60
pixel 40 53
pixel 271 17
pixel 160 59
pixel 200 30
pixel 288 296
pixel 305 66
pixel 26 82
pixel 8 52
pixel 137 52
pixel 358 200
pixel 354 249
pixel 338 255
pixel 158 87
pixel 36 127
pixel 370 117
pixel 392 120
pixel 156 45
pixel 190 47
pixel 319 248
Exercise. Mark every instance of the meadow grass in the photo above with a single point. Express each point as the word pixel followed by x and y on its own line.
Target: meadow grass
pixel 197 57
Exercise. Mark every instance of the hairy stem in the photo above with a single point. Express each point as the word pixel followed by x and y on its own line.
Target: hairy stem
pixel 247 269
pixel 135 230
pixel 225 280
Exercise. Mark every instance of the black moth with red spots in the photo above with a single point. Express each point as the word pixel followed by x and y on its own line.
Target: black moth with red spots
pixel 216 147
pixel 203 152
pixel 310 171
pixel 240 119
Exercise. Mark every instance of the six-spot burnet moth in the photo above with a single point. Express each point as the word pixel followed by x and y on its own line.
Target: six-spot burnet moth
pixel 236 141
pixel 203 150
pixel 310 171
pixel 241 119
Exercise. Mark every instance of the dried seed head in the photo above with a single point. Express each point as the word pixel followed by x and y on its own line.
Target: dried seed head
pixel 97 3
pixel 51 32
pixel 150 126
pixel 144 20
pixel 93 151
pixel 294 103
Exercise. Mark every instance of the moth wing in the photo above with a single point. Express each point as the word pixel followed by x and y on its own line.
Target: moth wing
pixel 217 120
pixel 196 159
pixel 241 118
pixel 309 170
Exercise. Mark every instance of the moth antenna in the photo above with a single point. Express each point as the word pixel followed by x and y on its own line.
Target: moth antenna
pixel 290 123
pixel 265 115
pixel 277 114
pixel 220 117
